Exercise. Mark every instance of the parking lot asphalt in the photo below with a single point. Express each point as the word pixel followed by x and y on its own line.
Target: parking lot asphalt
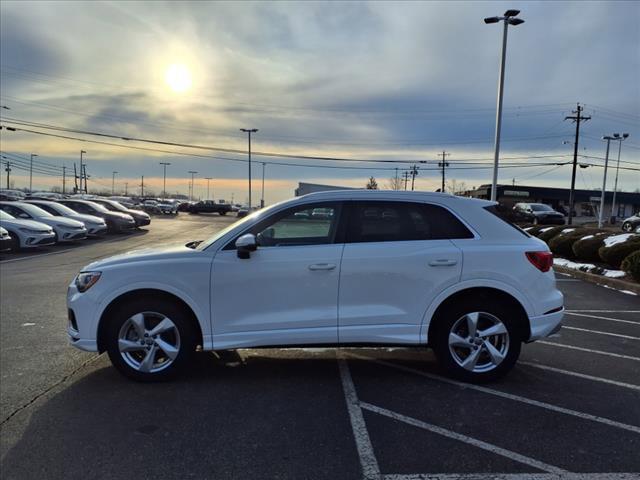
pixel 570 408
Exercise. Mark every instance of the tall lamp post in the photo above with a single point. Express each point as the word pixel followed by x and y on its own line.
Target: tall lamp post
pixel 31 172
pixel 508 19
pixel 81 168
pixel 164 178
pixel 608 138
pixel 192 184
pixel 113 182
pixel 208 179
pixel 249 131
pixel 615 187
pixel 262 197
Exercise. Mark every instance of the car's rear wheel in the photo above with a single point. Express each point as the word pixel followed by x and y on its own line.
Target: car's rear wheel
pixel 223 213
pixel 627 227
pixel 15 242
pixel 477 341
pixel 150 340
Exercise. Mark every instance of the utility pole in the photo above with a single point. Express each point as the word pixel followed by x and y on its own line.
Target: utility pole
pixel 615 187
pixel 75 178
pixel 608 138
pixel 8 170
pixel 507 19
pixel 577 117
pixel 81 167
pixel 262 198
pixel 31 172
pixel 192 184
pixel 164 178
pixel 414 173
pixel 142 187
pixel 249 131
pixel 207 179
pixel 126 188
pixel 443 164
pixel 113 182
pixel 406 179
pixel 64 179
pixel 86 177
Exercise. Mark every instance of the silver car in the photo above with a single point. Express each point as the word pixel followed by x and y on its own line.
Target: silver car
pixel 95 225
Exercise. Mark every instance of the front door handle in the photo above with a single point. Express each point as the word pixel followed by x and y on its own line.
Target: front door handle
pixel 445 262
pixel 322 266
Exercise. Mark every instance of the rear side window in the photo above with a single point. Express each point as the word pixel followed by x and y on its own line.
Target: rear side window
pixel 402 221
pixel 506 216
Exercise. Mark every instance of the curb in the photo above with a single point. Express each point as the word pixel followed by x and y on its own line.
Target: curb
pixel 600 279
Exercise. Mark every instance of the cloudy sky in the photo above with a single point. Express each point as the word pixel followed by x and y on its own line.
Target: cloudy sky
pixel 354 80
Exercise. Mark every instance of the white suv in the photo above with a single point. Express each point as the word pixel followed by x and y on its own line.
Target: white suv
pixel 378 268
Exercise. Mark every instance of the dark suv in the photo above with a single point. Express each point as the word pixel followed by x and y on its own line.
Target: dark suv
pixel 116 221
pixel 537 213
pixel 209 206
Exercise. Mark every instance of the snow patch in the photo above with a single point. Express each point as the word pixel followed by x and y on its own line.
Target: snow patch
pixel 588 268
pixel 545 229
pixel 526 229
pixel 587 237
pixel 628 292
pixel 615 239
pixel 567 230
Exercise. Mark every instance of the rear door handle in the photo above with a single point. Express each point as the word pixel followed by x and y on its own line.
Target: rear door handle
pixel 445 262
pixel 322 266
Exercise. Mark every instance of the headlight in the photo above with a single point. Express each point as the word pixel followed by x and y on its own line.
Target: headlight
pixel 34 232
pixel 85 280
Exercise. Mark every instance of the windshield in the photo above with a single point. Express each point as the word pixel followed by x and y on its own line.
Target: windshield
pixel 61 209
pixel 540 207
pixel 113 205
pixel 34 211
pixel 5 216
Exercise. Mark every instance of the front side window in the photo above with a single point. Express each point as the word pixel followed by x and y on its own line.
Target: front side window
pixel 403 221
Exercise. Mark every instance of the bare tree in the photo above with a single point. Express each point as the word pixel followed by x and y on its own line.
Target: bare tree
pixel 395 183
pixel 455 187
pixel 372 184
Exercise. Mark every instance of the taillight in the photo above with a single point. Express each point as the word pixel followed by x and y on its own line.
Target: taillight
pixel 543 261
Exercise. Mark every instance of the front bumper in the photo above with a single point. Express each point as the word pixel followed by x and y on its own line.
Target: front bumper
pixel 38 240
pixel 80 330
pixel 545 325
pixel 142 221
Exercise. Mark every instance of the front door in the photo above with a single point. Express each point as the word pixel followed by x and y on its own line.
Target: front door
pixel 286 293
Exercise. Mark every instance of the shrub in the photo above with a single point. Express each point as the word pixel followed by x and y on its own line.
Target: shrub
pixel 631 265
pixel 562 243
pixel 551 232
pixel 614 254
pixel 586 249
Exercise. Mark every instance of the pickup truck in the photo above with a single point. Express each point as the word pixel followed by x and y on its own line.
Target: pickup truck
pixel 210 206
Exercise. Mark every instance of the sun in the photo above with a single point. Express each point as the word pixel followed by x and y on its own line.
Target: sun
pixel 178 77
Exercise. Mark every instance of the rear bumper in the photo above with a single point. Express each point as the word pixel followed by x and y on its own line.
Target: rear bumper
pixel 545 325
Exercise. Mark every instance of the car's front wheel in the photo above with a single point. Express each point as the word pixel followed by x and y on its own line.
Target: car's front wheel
pixel 627 227
pixel 477 341
pixel 150 340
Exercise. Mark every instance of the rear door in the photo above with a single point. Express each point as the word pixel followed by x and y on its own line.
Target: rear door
pixel 397 257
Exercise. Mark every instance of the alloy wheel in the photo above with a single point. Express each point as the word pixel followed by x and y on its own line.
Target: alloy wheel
pixel 149 342
pixel 478 342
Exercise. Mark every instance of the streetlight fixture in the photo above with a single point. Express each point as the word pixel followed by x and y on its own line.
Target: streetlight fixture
pixel 164 179
pixel 608 138
pixel 208 179
pixel 620 139
pixel 249 131
pixel 31 172
pixel 508 19
pixel 113 182
pixel 192 184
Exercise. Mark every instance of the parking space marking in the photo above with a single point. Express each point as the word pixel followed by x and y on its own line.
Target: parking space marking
pixel 602 318
pixel 545 467
pixel 581 375
pixel 511 476
pixel 589 350
pixel 598 332
pixel 508 396
pixel 368 461
pixel 605 311
pixel 35 256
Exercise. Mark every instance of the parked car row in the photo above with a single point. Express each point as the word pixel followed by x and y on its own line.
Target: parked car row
pixel 36 221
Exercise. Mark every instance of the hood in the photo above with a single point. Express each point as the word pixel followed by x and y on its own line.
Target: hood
pixel 131 211
pixel 62 221
pixel 81 217
pixel 18 223
pixel 143 255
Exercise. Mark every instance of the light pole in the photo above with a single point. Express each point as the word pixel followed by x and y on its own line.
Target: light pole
pixel 508 19
pixel 164 178
pixel 249 131
pixel 262 197
pixel 192 184
pixel 608 138
pixel 81 168
pixel 615 187
pixel 31 172
pixel 208 179
pixel 113 182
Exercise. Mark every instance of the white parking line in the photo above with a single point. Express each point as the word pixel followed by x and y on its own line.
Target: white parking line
pixel 589 350
pixel 602 318
pixel 581 375
pixel 545 467
pixel 511 476
pixel 605 311
pixel 508 396
pixel 368 461
pixel 628 337
pixel 35 256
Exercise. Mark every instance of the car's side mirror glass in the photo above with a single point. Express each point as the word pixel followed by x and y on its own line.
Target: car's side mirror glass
pixel 245 245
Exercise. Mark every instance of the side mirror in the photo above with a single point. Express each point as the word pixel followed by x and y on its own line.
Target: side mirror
pixel 245 245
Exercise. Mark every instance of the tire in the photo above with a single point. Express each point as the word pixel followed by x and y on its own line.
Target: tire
pixel 124 339
pixel 15 242
pixel 452 352
pixel 627 227
pixel 223 213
